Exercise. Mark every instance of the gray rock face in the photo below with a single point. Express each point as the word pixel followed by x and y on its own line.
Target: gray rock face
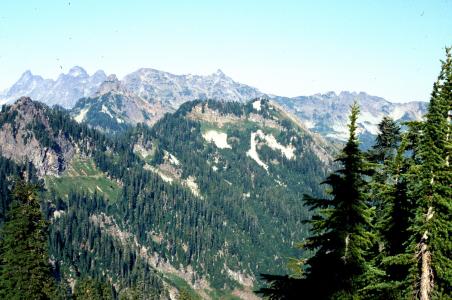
pixel 146 95
pixel 328 113
pixel 114 106
pixel 64 91
pixel 173 90
pixel 19 142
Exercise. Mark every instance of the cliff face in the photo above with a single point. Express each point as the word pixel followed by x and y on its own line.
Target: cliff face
pixel 27 136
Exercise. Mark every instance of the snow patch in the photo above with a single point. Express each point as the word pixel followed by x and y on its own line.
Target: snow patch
pixel 253 152
pixel 369 121
pixel 308 123
pixel 106 111
pixel 81 116
pixel 220 139
pixel 257 105
pixel 270 140
pixel 287 151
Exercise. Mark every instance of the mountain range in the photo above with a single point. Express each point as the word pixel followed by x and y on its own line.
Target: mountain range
pixel 157 190
pixel 64 91
pixel 145 95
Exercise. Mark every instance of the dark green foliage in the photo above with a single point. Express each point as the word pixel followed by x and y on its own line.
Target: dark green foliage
pixel 90 289
pixel 25 272
pixel 386 142
pixel 184 295
pixel 389 195
pixel 270 208
pixel 341 230
pixel 78 242
pixel 430 242
pixel 241 204
pixel 340 235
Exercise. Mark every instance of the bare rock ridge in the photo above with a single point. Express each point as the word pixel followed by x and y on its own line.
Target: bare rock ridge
pixel 26 136
pixel 64 91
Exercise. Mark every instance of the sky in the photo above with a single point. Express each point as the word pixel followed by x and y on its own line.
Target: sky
pixel 390 49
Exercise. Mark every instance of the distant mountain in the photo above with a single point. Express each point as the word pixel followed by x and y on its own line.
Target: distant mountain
pixel 327 114
pixel 112 108
pixel 145 95
pixel 173 90
pixel 152 85
pixel 64 91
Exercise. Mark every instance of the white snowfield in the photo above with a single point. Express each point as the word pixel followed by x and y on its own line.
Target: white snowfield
pixel 106 111
pixel 270 141
pixel 81 116
pixel 253 152
pixel 257 105
pixel 220 139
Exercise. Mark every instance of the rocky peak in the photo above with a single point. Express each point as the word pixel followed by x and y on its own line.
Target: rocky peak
pixel 219 73
pixel 23 101
pixel 26 76
pixel 28 108
pixel 26 135
pixel 77 72
pixel 111 84
pixel 99 75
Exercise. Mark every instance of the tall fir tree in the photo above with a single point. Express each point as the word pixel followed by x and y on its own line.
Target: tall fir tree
pixel 25 271
pixel 341 227
pixel 394 210
pixel 386 142
pixel 431 245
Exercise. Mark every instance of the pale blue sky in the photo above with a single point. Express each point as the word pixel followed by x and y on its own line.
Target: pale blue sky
pixel 386 48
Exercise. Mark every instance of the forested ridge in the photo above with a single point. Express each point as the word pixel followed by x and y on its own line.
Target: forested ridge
pixel 117 224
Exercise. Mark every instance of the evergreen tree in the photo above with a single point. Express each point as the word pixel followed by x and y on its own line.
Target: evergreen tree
pixel 88 289
pixel 25 272
pixel 394 212
pixel 184 295
pixel 431 245
pixel 387 141
pixel 340 227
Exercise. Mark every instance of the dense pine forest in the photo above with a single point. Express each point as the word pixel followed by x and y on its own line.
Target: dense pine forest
pixel 223 200
pixel 384 231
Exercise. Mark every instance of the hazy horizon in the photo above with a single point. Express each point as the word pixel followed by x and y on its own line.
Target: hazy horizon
pixel 285 48
pixel 91 72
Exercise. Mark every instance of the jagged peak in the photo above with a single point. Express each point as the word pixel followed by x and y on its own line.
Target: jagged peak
pixel 26 75
pixel 111 84
pixel 99 73
pixel 24 101
pixel 219 73
pixel 112 78
pixel 77 71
